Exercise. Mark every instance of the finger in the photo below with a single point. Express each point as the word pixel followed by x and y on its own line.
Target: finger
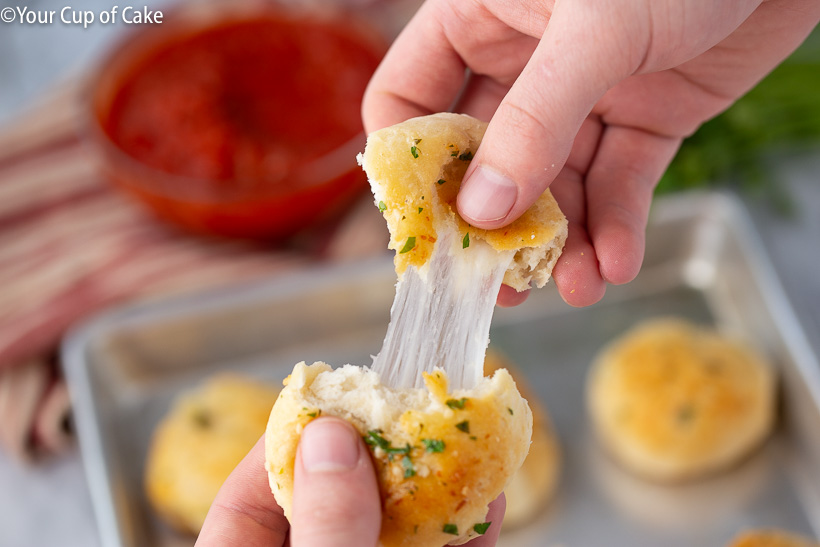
pixel 420 74
pixel 577 275
pixel 481 97
pixel 335 496
pixel 245 511
pixel 619 189
pixel 582 54
pixel 585 145
pixel 495 516
pixel 509 297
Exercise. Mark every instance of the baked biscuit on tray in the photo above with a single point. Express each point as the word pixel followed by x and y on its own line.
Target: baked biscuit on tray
pixel 672 400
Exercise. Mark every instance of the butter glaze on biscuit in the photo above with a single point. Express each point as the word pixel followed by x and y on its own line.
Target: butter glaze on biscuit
pixel 441 457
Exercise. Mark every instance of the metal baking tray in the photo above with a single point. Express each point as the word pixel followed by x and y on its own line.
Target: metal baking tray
pixel 703 262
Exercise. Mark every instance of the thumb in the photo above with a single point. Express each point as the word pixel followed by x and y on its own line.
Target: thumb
pixel 585 51
pixel 335 495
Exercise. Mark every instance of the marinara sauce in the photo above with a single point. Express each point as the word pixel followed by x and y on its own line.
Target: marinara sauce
pixel 244 117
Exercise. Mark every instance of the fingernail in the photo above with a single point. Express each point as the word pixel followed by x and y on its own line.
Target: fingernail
pixel 487 195
pixel 329 446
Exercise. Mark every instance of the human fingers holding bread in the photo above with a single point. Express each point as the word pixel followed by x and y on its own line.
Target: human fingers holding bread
pixel 335 502
pixel 592 98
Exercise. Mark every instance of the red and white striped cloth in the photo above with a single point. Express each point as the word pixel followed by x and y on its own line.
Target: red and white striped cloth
pixel 70 245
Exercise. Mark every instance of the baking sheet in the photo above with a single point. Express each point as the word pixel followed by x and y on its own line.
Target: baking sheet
pixel 703 262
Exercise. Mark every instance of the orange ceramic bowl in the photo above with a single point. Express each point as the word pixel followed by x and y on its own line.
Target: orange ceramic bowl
pixel 238 123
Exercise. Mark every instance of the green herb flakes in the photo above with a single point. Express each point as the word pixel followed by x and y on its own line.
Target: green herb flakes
pixel 456 403
pixel 466 156
pixel 396 450
pixel 433 445
pixel 463 426
pixel 685 414
pixel 374 439
pixel 315 413
pixel 466 241
pixel 450 529
pixel 203 419
pixel 441 181
pixel 481 527
pixel 408 246
pixel 382 206
pixel 510 411
pixel 421 209
pixel 409 468
pixel 415 151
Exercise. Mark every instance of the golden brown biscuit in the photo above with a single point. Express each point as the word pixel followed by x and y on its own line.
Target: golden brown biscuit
pixel 671 400
pixel 415 170
pixel 204 436
pixel 440 457
pixel 771 538
pixel 535 482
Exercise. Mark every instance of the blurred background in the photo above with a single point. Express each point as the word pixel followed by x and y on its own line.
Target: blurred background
pixel 71 246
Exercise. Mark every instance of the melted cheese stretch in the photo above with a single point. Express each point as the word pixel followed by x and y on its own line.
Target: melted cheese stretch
pixel 449 272
pixel 441 315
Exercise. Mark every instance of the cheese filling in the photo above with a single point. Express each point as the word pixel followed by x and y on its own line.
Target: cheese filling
pixel 441 317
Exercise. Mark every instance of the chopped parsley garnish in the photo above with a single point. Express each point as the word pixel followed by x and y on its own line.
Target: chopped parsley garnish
pixel 454 154
pixel 685 414
pixel 408 246
pixel 315 413
pixel 481 527
pixel 433 445
pixel 466 156
pixel 450 529
pixel 421 209
pixel 374 438
pixel 441 181
pixel 466 241
pixel 409 469
pixel 396 450
pixel 415 151
pixel 382 206
pixel 510 411
pixel 416 141
pixel 202 419
pixel 456 403
pixel 463 426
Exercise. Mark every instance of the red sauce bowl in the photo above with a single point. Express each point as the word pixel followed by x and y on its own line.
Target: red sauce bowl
pixel 238 124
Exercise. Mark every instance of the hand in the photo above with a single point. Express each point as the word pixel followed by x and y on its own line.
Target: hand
pixel 592 98
pixel 335 502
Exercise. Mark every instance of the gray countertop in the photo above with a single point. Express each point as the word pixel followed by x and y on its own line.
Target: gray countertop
pixel 48 503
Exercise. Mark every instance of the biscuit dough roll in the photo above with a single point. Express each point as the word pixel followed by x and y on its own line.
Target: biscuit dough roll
pixel 441 456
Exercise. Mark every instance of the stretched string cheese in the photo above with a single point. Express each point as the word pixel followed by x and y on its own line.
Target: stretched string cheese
pixel 449 272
